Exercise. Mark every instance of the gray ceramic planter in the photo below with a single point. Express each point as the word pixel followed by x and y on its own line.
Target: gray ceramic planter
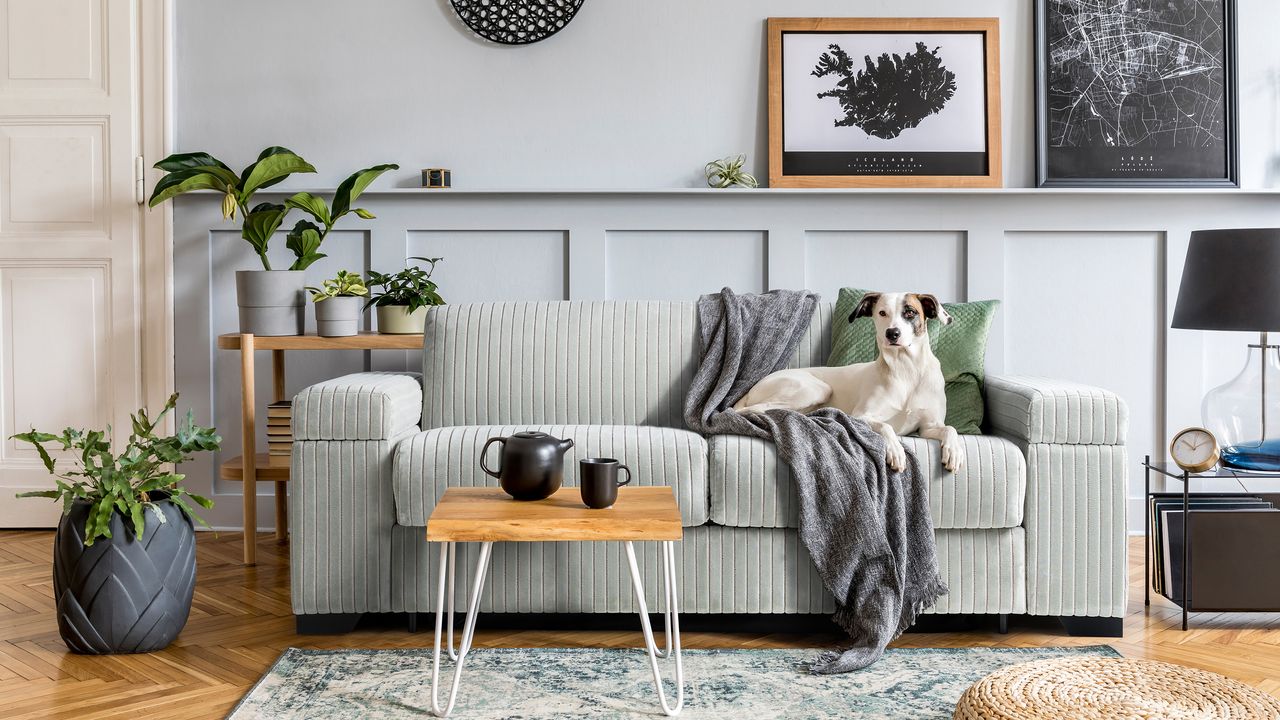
pixel 272 302
pixel 395 320
pixel 338 316
pixel 120 594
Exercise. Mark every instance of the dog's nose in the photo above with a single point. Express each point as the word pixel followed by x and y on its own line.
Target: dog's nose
pixel 892 334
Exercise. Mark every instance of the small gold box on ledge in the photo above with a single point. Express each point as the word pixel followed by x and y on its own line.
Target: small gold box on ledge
pixel 437 178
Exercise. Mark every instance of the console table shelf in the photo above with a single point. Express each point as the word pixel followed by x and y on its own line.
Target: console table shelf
pixel 253 467
pixel 1235 552
pixel 361 341
pixel 233 469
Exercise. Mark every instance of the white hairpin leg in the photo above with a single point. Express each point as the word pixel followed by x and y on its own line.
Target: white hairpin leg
pixel 668 603
pixel 447 556
pixel 671 620
pixel 453 559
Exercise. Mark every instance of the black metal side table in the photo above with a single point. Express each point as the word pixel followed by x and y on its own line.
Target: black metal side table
pixel 1237 552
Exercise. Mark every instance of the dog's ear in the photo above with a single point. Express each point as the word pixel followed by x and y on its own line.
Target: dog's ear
pixel 865 307
pixel 934 309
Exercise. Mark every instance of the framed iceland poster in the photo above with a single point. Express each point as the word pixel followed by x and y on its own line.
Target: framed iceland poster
pixel 1136 93
pixel 884 102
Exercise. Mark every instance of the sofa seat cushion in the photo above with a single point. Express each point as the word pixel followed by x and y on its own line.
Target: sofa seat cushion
pixel 428 462
pixel 752 487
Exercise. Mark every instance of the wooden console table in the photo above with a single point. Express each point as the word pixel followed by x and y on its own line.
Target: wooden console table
pixel 252 467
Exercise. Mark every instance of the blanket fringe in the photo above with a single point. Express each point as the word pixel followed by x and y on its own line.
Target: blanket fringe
pixel 926 599
pixel 856 657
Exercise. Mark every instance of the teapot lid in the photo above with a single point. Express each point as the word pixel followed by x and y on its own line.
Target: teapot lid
pixel 530 434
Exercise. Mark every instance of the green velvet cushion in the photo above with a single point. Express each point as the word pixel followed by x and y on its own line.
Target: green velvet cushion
pixel 960 347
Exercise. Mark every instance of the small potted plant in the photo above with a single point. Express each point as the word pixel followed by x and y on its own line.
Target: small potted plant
pixel 124 556
pixel 338 304
pixel 402 304
pixel 271 301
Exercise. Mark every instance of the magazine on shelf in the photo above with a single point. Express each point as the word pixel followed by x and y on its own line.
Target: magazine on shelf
pixel 1168 565
pixel 1161 504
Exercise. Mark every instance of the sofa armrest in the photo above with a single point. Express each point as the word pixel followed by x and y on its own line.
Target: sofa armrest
pixel 362 406
pixel 1038 410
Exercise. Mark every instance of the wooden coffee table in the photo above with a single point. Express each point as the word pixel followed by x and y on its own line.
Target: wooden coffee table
pixel 488 515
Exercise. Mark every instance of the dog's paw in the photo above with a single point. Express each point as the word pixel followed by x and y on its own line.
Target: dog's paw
pixel 953 454
pixel 895 456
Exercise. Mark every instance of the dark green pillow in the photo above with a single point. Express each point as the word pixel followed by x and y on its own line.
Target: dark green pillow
pixel 960 347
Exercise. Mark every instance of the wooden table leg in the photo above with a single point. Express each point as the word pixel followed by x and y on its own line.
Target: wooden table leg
pixel 282 488
pixel 249 449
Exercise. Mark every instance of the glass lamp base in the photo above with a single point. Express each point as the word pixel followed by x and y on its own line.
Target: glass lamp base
pixel 1244 414
pixel 1264 456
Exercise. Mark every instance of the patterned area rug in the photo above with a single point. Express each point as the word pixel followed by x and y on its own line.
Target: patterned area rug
pixel 591 683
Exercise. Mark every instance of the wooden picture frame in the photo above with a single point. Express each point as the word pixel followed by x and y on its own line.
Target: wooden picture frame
pixel 859 162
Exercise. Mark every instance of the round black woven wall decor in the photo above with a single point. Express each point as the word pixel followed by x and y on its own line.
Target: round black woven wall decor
pixel 516 22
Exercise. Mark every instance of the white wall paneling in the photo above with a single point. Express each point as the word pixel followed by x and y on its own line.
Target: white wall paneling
pixel 498 265
pixel 1087 280
pixel 649 119
pixel 1089 306
pixel 680 264
pixel 931 262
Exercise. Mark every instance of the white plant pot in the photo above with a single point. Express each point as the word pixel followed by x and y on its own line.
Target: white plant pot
pixel 396 320
pixel 338 316
pixel 272 302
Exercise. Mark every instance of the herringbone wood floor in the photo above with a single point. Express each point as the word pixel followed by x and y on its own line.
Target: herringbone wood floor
pixel 240 622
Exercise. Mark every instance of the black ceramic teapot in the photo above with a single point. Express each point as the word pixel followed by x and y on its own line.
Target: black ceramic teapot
pixel 531 465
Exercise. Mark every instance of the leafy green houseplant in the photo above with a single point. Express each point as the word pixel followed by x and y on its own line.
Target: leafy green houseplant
pixel 188 172
pixel 405 297
pixel 271 302
pixel 338 304
pixel 124 553
pixel 306 236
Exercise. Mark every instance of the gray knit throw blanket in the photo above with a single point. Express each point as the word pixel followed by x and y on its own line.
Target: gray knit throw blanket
pixel 867 528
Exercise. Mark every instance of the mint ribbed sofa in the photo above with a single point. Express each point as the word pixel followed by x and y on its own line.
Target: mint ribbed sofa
pixel 1035 523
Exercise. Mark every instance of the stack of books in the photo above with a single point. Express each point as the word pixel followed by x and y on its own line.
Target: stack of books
pixel 1167 536
pixel 279 434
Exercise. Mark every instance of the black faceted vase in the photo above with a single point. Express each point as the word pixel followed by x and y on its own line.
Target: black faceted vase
pixel 121 594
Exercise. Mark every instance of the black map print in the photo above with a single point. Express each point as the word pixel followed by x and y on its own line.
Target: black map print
pixel 1141 74
pixel 891 95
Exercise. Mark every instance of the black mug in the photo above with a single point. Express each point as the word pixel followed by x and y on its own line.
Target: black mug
pixel 599 480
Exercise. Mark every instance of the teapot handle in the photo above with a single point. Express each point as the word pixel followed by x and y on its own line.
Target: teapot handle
pixel 484 451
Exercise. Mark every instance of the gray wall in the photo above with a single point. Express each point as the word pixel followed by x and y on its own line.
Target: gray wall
pixel 633 93
pixel 640 95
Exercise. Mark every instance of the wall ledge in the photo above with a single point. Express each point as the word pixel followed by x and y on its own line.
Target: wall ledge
pixel 778 192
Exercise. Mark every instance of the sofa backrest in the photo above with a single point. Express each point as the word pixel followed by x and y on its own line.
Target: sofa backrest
pixel 569 363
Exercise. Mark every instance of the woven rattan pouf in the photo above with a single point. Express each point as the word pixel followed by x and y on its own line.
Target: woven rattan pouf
pixel 1098 688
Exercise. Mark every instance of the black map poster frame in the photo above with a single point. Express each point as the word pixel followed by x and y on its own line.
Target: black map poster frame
pixel 1231 179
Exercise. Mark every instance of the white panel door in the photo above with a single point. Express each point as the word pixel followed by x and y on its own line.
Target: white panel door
pixel 70 328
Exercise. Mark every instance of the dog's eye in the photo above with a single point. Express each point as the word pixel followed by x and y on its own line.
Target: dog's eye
pixel 908 313
pixel 884 314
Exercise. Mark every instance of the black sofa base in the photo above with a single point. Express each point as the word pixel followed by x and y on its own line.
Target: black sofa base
pixel 340 623
pixel 1112 627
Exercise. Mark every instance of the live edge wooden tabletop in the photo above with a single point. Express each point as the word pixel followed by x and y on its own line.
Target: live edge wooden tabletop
pixel 311 341
pixel 489 515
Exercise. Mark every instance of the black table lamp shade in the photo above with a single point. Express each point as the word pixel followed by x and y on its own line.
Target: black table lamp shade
pixel 1231 281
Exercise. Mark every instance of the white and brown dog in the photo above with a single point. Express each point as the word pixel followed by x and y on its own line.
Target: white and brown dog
pixel 900 392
